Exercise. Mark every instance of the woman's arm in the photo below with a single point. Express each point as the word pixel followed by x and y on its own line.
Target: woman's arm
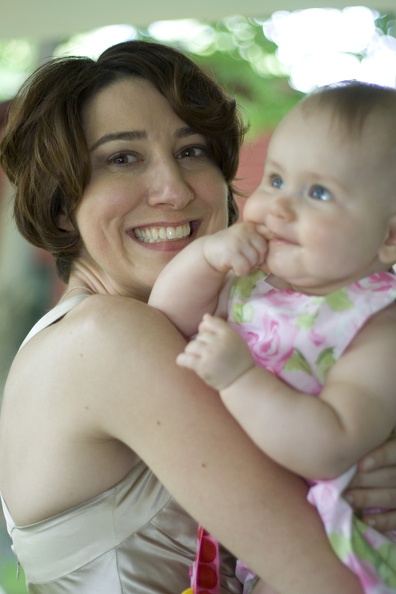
pixel 179 426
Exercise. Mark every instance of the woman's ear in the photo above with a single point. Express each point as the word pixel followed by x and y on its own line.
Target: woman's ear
pixel 387 252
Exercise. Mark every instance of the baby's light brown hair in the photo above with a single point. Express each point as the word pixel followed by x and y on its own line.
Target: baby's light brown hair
pixel 355 104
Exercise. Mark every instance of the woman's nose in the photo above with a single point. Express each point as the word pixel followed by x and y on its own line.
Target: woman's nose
pixel 169 187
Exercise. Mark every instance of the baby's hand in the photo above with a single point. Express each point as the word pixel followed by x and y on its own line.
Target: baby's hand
pixel 218 354
pixel 240 248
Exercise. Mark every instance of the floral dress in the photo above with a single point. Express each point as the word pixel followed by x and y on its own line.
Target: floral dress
pixel 298 337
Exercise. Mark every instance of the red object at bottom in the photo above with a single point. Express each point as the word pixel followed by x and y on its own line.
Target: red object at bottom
pixel 205 572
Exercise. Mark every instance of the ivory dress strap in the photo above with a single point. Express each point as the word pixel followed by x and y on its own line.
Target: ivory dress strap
pixel 54 315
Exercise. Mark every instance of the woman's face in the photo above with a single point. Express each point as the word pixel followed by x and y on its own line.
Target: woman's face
pixel 153 190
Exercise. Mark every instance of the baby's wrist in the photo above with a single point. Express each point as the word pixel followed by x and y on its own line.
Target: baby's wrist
pixel 239 378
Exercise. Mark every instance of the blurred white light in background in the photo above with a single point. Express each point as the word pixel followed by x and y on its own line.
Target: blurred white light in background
pixel 323 69
pixel 17 60
pixel 192 34
pixel 10 82
pixel 380 64
pixel 303 31
pixel 316 46
pixel 94 43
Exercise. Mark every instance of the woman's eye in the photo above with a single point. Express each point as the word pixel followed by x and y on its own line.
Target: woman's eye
pixel 276 182
pixel 192 152
pixel 319 193
pixel 122 159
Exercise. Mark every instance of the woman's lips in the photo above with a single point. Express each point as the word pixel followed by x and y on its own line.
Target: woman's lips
pixel 160 234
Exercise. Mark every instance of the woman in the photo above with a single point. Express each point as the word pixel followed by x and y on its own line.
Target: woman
pixel 118 164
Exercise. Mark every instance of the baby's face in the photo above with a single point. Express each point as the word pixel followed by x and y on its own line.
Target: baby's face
pixel 326 198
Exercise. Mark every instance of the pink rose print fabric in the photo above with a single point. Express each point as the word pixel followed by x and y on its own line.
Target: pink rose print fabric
pixel 298 338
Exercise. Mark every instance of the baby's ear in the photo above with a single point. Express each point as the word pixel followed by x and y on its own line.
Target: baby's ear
pixel 387 252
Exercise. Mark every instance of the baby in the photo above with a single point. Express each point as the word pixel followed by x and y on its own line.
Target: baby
pixel 298 301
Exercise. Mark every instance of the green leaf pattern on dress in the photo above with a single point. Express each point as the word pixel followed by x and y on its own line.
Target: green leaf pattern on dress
pixel 297 362
pixel 339 300
pixel 383 557
pixel 243 286
pixel 324 362
pixel 241 312
pixel 306 321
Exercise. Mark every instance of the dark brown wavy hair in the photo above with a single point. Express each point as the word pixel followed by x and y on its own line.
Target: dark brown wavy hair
pixel 44 151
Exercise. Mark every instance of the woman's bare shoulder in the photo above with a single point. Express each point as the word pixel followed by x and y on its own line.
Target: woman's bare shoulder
pixel 119 322
pixel 93 344
pixel 110 336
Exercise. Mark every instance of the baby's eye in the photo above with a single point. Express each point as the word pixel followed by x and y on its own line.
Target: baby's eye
pixel 319 193
pixel 276 182
pixel 192 152
pixel 122 159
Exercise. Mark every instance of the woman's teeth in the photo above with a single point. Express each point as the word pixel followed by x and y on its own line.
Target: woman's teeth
pixel 158 234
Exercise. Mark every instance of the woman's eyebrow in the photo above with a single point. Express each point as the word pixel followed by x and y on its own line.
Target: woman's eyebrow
pixel 127 135
pixel 185 132
pixel 137 135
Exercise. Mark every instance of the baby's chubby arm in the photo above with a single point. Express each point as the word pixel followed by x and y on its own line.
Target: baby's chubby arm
pixel 192 283
pixel 324 436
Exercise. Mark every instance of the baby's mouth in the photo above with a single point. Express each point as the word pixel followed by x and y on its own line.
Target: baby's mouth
pixel 161 234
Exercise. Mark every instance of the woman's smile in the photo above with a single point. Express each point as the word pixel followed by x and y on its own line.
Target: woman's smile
pixel 165 237
pixel 160 234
